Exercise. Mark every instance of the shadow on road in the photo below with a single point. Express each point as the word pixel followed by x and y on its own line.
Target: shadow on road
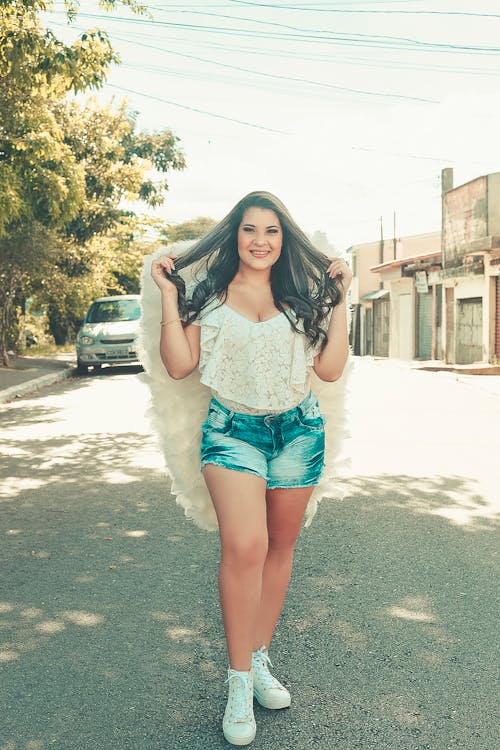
pixel 113 636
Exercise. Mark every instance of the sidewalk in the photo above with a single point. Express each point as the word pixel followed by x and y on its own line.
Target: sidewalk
pixel 436 365
pixel 484 376
pixel 27 374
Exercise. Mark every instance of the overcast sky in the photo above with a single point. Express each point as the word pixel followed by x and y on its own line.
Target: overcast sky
pixel 347 111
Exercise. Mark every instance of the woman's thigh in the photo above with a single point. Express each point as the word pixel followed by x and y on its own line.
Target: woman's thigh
pixel 285 512
pixel 239 500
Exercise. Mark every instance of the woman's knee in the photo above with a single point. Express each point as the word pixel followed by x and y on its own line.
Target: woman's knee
pixel 283 539
pixel 245 551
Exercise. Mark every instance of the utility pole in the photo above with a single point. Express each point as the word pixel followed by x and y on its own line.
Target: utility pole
pixel 381 250
pixel 446 185
pixel 394 235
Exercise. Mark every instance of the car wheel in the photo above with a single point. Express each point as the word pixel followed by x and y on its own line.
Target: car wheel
pixel 81 368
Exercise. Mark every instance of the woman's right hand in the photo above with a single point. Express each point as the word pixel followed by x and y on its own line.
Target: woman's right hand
pixel 159 267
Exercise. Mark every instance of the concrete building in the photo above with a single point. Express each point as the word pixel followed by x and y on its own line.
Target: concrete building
pixel 470 269
pixel 415 305
pixel 437 295
pixel 383 313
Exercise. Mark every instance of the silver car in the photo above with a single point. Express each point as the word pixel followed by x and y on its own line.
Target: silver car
pixel 109 332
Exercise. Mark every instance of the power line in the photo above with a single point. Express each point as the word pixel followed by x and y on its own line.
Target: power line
pixel 275 76
pixel 389 65
pixel 197 110
pixel 418 157
pixel 308 9
pixel 322 37
pixel 354 2
pixel 343 89
pixel 268 52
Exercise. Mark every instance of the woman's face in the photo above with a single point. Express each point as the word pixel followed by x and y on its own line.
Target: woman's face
pixel 260 238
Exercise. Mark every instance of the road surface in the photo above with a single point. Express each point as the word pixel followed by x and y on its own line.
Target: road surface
pixel 112 636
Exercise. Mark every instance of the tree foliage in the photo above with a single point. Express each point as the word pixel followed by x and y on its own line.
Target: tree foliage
pixel 43 179
pixel 188 230
pixel 106 264
pixel 65 169
pixel 116 162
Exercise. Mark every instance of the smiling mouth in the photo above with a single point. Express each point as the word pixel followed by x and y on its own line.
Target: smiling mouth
pixel 260 253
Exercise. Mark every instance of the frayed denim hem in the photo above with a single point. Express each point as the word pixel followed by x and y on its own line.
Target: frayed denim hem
pixel 233 468
pixel 281 486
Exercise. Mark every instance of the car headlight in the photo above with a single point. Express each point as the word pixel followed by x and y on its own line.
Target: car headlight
pixel 85 340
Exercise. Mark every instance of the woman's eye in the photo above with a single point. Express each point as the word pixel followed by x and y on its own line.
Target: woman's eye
pixel 247 229
pixel 273 231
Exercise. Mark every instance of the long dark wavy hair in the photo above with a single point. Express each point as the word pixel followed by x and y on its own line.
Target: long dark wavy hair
pixel 301 288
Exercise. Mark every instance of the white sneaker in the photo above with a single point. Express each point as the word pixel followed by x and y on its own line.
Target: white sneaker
pixel 238 723
pixel 267 689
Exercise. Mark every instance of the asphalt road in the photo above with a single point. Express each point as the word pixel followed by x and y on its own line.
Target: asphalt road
pixel 110 627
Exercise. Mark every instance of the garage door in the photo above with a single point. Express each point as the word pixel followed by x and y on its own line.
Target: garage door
pixel 381 317
pixel 497 320
pixel 469 334
pixel 424 348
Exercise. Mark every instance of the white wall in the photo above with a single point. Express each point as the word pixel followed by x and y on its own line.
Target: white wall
pixel 402 341
pixel 474 286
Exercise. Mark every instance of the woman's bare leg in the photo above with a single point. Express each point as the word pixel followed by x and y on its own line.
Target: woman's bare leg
pixel 285 511
pixel 239 499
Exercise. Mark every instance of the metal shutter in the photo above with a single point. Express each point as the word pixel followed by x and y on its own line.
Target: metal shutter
pixel 424 345
pixel 497 319
pixel 469 330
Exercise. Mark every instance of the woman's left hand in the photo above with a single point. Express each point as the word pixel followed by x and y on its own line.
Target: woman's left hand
pixel 339 269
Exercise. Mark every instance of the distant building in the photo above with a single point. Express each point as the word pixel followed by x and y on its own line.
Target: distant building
pixel 470 272
pixel 415 304
pixel 437 295
pixel 383 293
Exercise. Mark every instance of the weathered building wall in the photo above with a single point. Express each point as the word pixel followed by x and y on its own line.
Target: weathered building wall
pixel 465 212
pixel 402 335
pixel 494 204
pixel 470 252
pixel 470 316
pixel 367 254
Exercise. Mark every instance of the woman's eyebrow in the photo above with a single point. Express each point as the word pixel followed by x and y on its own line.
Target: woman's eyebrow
pixel 271 226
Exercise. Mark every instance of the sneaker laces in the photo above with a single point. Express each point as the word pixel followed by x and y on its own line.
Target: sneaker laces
pixel 261 660
pixel 239 698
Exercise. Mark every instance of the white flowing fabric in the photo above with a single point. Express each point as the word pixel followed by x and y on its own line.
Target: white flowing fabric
pixel 179 407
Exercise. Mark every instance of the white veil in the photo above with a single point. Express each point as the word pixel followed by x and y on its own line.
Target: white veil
pixel 178 408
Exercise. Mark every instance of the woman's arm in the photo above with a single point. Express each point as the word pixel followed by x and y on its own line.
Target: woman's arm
pixel 330 362
pixel 179 346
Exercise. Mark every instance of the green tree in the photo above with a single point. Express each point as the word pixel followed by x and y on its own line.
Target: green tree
pixel 46 188
pixel 132 239
pixel 25 262
pixel 117 162
pixel 188 230
pixel 106 264
pixel 41 184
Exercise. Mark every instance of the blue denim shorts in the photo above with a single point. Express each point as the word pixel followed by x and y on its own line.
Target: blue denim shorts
pixel 286 449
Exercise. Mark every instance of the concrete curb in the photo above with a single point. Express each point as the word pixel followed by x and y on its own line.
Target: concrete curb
pixel 24 389
pixel 465 370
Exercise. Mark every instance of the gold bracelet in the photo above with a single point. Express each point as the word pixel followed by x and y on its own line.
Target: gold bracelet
pixel 167 322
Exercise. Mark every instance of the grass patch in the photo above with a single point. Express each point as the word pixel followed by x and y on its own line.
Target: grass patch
pixel 43 350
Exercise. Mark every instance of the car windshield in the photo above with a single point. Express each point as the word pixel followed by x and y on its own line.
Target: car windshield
pixel 109 311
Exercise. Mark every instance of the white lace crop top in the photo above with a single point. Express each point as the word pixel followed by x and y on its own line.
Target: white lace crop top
pixel 253 368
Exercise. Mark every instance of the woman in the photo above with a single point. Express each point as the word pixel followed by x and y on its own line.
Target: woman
pixel 263 310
